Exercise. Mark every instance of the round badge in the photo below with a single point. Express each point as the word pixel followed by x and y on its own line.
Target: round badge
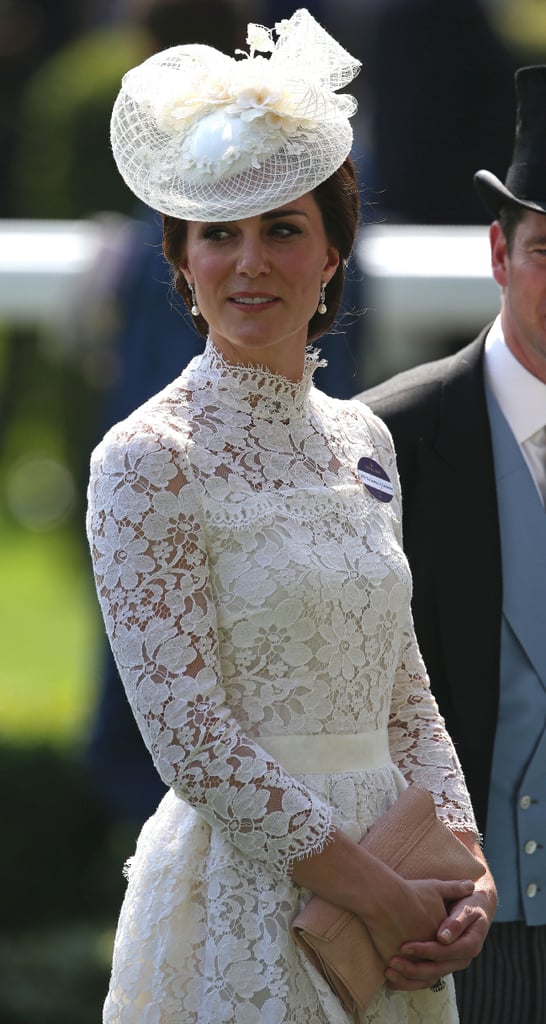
pixel 375 479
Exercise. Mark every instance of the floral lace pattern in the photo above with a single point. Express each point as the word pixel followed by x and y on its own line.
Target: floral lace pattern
pixel 252 587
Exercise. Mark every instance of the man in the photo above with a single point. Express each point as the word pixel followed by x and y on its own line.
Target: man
pixel 467 433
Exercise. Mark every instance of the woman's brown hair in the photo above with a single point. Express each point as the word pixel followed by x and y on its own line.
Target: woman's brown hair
pixel 339 203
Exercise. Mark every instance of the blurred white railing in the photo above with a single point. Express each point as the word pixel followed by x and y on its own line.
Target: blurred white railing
pixel 43 265
pixel 419 283
pixel 422 285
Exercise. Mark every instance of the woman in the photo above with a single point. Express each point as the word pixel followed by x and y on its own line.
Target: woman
pixel 253 587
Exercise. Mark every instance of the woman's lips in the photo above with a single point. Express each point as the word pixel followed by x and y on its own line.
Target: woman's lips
pixel 253 303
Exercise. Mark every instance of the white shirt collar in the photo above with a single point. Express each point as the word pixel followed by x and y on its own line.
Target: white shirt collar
pixel 521 395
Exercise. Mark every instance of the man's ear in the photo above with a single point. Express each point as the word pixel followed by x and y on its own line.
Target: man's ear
pixel 499 253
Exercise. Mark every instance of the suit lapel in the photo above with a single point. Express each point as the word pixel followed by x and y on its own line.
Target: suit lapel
pixel 459 485
pixel 523 540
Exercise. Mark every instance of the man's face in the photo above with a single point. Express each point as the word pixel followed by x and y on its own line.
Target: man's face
pixel 522 277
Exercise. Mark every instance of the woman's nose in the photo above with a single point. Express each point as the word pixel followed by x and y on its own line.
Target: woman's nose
pixel 252 260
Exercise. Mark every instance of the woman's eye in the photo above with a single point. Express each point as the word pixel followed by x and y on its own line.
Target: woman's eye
pixel 215 234
pixel 285 230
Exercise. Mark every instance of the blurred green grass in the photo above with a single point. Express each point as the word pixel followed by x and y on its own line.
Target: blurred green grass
pixel 64 857
pixel 64 847
pixel 51 636
pixel 50 624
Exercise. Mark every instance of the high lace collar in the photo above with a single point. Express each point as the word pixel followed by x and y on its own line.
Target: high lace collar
pixel 255 389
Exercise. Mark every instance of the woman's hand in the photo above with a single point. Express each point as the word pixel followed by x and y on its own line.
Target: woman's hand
pixel 394 910
pixel 407 920
pixel 458 940
pixel 418 908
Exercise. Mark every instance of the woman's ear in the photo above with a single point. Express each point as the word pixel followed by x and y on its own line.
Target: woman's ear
pixel 185 271
pixel 331 264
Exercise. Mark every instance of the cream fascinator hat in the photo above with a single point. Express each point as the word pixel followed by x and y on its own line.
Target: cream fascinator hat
pixel 202 136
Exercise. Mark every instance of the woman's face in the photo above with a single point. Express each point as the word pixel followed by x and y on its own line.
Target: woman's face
pixel 257 282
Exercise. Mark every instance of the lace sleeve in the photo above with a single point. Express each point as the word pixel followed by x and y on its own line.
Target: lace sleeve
pixel 419 742
pixel 148 545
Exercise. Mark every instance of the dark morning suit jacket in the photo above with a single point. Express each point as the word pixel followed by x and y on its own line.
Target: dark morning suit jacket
pixel 437 414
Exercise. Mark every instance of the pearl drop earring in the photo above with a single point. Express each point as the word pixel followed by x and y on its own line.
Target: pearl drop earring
pixel 322 307
pixel 195 311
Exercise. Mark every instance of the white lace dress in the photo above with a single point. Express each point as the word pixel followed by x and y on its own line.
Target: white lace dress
pixel 256 595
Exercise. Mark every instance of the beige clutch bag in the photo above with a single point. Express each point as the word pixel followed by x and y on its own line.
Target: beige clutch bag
pixel 415 843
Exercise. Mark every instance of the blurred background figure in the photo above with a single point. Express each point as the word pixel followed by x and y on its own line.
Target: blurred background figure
pixel 439 99
pixel 522 24
pixel 440 84
pixel 63 165
pixel 30 32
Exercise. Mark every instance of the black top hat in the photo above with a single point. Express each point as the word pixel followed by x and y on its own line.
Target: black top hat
pixel 526 176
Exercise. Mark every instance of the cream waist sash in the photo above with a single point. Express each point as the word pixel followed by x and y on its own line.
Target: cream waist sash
pixel 327 753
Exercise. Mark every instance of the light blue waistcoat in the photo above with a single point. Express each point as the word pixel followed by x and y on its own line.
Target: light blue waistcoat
pixel 515 840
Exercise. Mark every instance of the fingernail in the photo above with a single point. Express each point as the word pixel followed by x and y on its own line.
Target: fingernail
pixel 446 935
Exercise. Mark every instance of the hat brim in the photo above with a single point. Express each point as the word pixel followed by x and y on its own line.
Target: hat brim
pixel 495 195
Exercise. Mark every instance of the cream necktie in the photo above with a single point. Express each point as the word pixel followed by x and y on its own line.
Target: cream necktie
pixel 535 450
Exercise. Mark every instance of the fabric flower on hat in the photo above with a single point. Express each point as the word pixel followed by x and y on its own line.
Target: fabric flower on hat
pixel 259 38
pixel 250 88
pixel 256 94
